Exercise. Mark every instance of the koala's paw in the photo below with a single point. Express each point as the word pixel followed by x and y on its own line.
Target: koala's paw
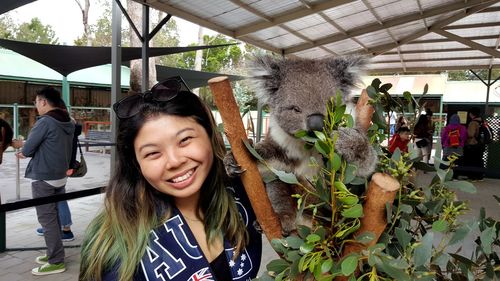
pixel 355 147
pixel 232 168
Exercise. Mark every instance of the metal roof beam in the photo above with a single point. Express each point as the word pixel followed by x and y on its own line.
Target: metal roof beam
pixel 433 59
pixel 472 25
pixel 441 40
pixel 429 69
pixel 496 47
pixel 394 22
pixel 447 50
pixel 472 44
pixel 289 16
pixel 205 23
pixel 377 50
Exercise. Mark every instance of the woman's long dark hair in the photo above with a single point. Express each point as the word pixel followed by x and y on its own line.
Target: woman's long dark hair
pixel 133 207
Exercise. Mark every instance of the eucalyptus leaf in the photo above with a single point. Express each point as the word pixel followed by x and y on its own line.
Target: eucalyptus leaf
pixel 372 92
pixel 335 162
pixel 252 150
pixel 365 237
pixel 406 208
pixel 277 266
pixel 440 226
pixel 313 238
pixel 423 252
pixel 301 133
pixel 322 148
pixel 395 273
pixel 376 83
pixel 463 231
pixel 487 237
pixel 285 177
pixel 404 238
pixel 355 211
pixel 294 242
pixel 320 135
pixel 385 88
pixel 306 248
pixel 349 264
pixel 350 173
pixel 464 186
pixel 303 231
pixel 326 265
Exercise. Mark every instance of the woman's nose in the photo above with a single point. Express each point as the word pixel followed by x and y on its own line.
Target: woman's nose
pixel 174 158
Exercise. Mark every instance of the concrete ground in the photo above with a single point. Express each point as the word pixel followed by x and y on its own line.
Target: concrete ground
pixel 24 245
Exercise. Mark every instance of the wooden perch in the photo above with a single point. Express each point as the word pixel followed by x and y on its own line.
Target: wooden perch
pixel 381 190
pixel 252 181
pixel 364 111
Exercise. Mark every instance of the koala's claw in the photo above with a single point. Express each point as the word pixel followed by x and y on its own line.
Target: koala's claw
pixel 232 168
pixel 235 169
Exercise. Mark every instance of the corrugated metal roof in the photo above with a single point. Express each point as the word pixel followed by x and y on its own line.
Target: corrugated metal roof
pixel 401 36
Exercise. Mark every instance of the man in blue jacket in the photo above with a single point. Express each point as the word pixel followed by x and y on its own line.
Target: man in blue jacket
pixel 49 145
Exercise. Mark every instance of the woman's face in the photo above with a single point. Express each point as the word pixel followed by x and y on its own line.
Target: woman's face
pixel 175 155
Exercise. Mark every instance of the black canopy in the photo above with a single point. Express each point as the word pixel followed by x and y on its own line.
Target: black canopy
pixel 8 5
pixel 67 59
pixel 193 78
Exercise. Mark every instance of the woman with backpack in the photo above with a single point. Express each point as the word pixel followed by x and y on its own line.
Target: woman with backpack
pixel 453 139
pixel 474 147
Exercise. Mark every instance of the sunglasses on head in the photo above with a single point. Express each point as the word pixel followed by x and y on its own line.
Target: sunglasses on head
pixel 161 92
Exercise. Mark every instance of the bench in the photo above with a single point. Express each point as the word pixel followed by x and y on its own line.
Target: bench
pixel 97 138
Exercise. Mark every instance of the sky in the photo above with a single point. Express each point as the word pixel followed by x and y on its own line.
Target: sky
pixel 66 20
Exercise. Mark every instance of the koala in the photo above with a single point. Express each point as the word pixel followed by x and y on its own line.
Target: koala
pixel 297 92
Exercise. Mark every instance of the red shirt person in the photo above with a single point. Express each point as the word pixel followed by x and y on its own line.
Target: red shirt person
pixel 400 140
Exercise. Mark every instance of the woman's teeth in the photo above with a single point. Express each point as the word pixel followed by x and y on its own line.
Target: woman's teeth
pixel 183 177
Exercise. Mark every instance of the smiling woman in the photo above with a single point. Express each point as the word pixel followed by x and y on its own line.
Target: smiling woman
pixel 171 211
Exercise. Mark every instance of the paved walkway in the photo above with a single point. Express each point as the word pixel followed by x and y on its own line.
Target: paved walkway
pixel 24 245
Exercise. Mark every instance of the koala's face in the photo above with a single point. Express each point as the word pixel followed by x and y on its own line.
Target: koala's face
pixel 298 91
pixel 300 102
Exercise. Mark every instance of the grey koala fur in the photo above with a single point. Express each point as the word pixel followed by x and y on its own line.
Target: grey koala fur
pixel 297 92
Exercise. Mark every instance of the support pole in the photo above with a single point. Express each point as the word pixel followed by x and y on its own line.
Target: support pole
pixel 116 62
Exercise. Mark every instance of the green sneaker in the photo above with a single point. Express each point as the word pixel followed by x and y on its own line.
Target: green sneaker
pixel 49 268
pixel 42 259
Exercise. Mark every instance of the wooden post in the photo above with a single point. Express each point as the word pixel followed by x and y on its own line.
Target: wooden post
pixel 252 181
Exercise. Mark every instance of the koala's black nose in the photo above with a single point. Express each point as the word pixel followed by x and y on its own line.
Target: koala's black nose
pixel 315 122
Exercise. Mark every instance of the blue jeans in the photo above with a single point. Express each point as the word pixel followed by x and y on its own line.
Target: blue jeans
pixel 64 214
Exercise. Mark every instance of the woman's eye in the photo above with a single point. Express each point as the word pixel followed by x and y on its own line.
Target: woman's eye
pixel 151 154
pixel 186 139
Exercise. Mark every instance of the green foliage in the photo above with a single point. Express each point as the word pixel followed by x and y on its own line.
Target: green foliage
pixel 423 224
pixel 34 31
pixel 6 27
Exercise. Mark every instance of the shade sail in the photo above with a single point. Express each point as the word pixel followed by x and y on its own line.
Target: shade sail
pixel 8 5
pixel 193 78
pixel 67 59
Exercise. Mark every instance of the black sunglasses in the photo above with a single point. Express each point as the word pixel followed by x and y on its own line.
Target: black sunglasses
pixel 161 92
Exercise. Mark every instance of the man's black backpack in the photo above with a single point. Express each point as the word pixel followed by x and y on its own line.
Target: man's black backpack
pixel 485 135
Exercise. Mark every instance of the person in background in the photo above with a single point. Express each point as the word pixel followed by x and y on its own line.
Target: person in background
pixel 171 212
pixel 62 206
pixel 401 122
pixel 400 140
pixel 453 138
pixel 422 137
pixel 473 150
pixel 6 134
pixel 432 128
pixel 49 145
pixel 392 123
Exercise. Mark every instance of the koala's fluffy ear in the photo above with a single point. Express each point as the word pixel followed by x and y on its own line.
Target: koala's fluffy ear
pixel 267 71
pixel 346 70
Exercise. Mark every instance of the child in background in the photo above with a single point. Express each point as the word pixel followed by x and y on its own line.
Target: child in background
pixel 400 140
